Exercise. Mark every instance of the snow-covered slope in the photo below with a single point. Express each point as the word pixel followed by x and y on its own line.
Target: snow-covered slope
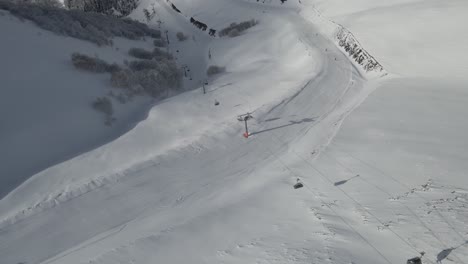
pixel 46 108
pixel 185 186
pixel 411 131
pixel 410 37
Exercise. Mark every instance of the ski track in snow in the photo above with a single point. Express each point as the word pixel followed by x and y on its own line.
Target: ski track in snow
pixel 220 198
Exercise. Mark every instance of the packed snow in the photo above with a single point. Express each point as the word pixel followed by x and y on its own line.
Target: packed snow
pixel 381 155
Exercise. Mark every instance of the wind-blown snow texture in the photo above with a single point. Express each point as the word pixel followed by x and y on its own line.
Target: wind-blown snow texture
pixel 184 186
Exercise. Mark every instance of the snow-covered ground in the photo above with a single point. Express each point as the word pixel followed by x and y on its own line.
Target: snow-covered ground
pixel 184 186
pixel 412 129
pixel 47 116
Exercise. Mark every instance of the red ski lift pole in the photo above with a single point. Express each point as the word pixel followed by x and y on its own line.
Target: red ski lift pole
pixel 245 118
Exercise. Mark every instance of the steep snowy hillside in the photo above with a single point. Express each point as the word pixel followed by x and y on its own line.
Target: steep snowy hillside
pixel 46 103
pixel 184 185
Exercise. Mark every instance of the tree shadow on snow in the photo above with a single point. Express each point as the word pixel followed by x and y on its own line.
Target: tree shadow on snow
pixel 446 252
pixel 272 119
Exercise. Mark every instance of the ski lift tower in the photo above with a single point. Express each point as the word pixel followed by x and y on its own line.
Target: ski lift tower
pixel 205 82
pixel 245 118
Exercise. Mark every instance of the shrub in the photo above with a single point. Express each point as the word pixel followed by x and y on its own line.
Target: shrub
pixel 151 82
pixel 150 76
pixel 234 33
pixel 234 29
pixel 213 69
pixel 141 53
pixel 157 80
pixel 104 105
pixel 171 76
pixel 161 55
pixel 147 14
pixel 114 67
pixel 43 3
pixel 48 3
pixel 181 37
pixel 122 79
pixel 143 65
pixel 159 43
pixel 154 33
pixel 148 55
pixel 92 64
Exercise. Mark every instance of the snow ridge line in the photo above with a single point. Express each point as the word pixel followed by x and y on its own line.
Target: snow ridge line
pixel 66 194
pixel 73 191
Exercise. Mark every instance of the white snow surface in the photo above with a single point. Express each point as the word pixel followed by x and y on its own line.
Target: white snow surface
pixel 47 116
pixel 183 185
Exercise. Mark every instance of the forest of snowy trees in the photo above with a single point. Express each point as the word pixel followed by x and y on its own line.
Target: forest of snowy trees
pixel 117 7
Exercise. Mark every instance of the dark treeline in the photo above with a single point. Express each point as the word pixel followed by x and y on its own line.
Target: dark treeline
pixel 121 7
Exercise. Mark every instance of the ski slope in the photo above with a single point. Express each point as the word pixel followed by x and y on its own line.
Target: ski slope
pixel 407 140
pixel 184 185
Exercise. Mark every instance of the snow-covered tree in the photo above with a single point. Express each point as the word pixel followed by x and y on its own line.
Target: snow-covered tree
pixel 120 7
